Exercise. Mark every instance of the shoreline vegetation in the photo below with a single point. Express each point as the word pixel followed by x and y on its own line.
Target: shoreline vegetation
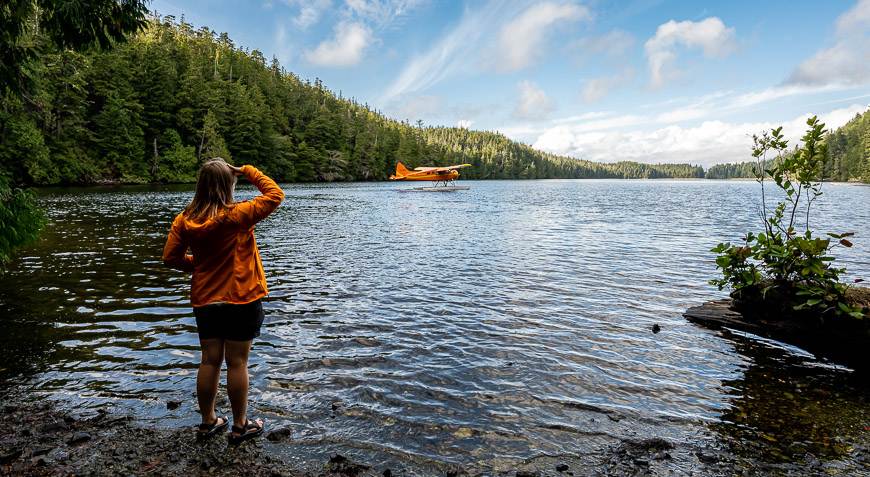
pixel 783 280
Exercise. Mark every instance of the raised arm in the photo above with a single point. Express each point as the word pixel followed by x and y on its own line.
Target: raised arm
pixel 175 251
pixel 250 212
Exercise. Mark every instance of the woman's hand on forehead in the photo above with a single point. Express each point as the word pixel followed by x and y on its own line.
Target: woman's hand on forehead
pixel 237 171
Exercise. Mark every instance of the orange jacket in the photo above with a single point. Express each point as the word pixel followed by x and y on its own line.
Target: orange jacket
pixel 225 262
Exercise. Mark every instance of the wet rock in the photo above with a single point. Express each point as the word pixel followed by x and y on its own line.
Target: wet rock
pixel 455 472
pixel 173 405
pixel 706 458
pixel 341 465
pixel 366 341
pixel 280 434
pixel 78 438
pixel 9 455
pixel 59 455
pixel 53 427
pixel 561 467
pixel 656 328
pixel 41 450
pixel 387 473
pixel 661 455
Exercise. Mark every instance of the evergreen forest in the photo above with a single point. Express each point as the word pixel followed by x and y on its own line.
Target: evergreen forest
pixel 152 108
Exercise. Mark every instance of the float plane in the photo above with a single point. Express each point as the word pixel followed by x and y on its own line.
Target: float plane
pixel 444 178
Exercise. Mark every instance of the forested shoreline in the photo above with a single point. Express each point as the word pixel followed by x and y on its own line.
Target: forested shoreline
pixel 150 109
pixel 848 157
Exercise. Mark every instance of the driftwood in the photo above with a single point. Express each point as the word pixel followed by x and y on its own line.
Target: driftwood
pixel 842 341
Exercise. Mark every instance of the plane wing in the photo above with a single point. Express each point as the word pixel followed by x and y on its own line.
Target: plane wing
pixel 436 169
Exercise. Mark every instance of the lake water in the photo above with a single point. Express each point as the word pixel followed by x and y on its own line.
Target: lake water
pixel 477 328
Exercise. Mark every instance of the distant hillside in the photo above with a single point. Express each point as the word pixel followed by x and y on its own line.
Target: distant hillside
pixel 151 109
pixel 848 155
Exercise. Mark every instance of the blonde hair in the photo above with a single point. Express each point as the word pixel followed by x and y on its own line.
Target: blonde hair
pixel 215 183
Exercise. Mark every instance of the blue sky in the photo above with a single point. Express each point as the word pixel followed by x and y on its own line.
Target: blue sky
pixel 644 80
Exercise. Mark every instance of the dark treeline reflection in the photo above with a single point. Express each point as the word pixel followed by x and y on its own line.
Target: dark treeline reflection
pixel 785 408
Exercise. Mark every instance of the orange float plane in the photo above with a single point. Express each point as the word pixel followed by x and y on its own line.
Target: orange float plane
pixel 439 175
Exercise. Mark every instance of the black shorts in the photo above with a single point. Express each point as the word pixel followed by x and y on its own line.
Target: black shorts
pixel 228 321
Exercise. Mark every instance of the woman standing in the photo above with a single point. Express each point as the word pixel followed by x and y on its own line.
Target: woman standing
pixel 227 286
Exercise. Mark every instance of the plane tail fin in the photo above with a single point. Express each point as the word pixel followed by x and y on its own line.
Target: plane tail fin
pixel 401 171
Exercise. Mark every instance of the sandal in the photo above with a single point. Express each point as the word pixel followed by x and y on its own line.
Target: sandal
pixel 207 430
pixel 250 430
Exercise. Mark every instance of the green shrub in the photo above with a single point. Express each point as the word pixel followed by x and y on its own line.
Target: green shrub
pixel 783 268
pixel 20 218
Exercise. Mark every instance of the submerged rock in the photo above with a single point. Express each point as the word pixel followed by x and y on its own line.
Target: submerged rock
pixel 341 465
pixel 78 438
pixel 280 434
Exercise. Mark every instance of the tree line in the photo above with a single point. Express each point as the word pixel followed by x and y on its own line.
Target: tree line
pixel 848 156
pixel 153 108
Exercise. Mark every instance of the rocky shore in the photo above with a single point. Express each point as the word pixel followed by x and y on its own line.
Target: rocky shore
pixel 38 439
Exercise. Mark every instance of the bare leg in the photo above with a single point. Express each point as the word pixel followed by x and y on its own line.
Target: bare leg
pixel 237 379
pixel 208 377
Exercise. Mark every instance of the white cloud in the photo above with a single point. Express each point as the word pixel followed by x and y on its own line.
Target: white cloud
pixel 533 102
pixel 464 123
pixel 847 62
pixel 708 143
pixel 710 35
pixel 520 41
pixel 346 48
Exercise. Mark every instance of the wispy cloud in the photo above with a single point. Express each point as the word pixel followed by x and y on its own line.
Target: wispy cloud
pixel 613 44
pixel 309 11
pixel 456 51
pixel 498 36
pixel 594 89
pixel 521 40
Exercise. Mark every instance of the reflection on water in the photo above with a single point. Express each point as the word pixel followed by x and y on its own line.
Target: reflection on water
pixel 783 408
pixel 479 328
